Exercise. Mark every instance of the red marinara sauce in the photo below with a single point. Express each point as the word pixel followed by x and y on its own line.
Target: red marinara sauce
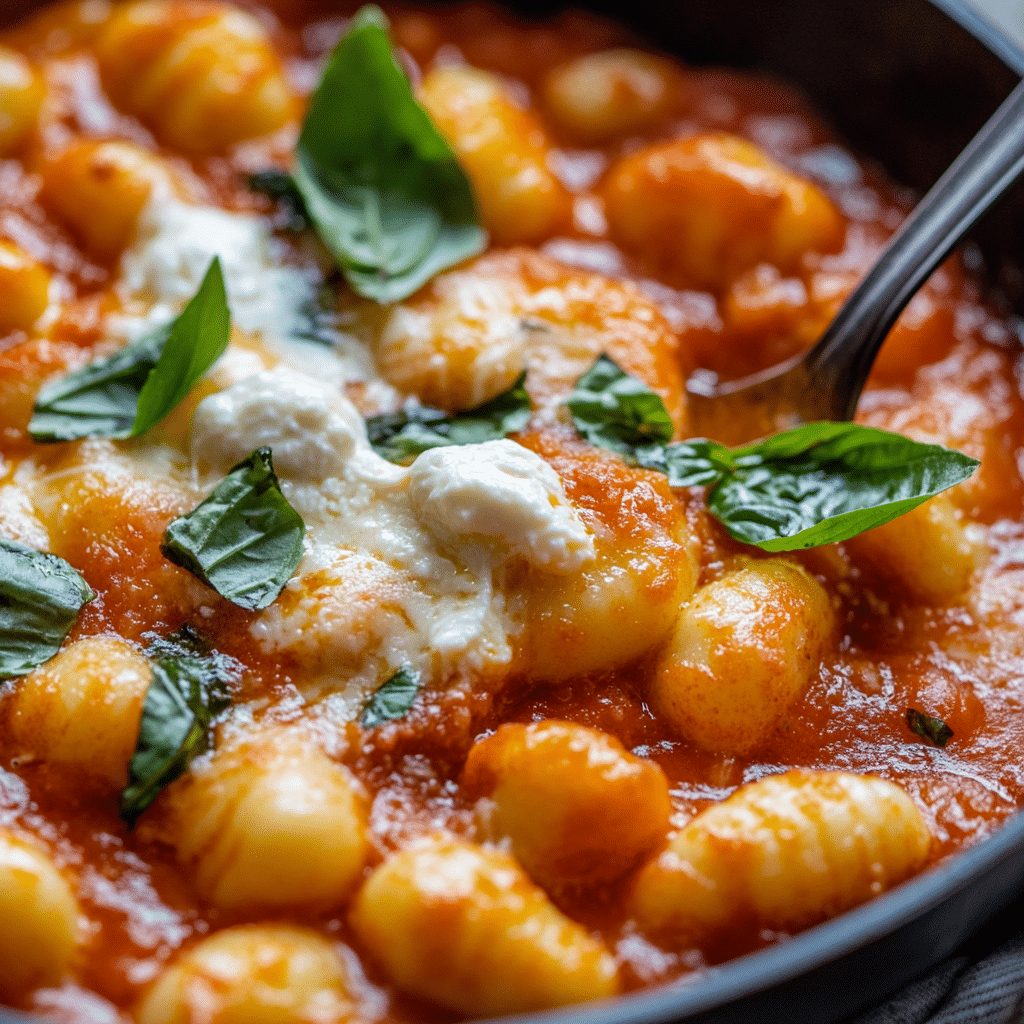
pixel 583 151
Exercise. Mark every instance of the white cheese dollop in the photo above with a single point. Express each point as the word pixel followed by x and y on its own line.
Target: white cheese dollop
pixel 312 434
pixel 505 494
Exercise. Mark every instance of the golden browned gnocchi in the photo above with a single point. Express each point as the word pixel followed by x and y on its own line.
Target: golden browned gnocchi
pixel 24 288
pixel 742 651
pixel 98 189
pixel 251 973
pixel 202 74
pixel 82 710
pixel 701 211
pixel 504 150
pixel 260 808
pixel 41 931
pixel 576 805
pixel 616 92
pixel 782 853
pixel 21 95
pixel 379 664
pixel 462 925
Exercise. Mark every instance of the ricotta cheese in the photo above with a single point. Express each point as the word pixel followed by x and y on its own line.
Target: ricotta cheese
pixel 505 495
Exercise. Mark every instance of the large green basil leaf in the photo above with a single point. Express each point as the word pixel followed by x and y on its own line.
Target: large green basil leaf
pixel 817 484
pixel 184 697
pixel 40 598
pixel 400 437
pixel 125 394
pixel 613 410
pixel 392 700
pixel 380 184
pixel 826 482
pixel 244 540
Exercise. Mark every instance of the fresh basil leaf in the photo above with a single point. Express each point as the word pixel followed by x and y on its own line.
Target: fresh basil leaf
pixel 380 184
pixel 125 394
pixel 817 484
pixel 392 700
pixel 695 463
pixel 934 730
pixel 196 341
pixel 827 482
pixel 101 399
pixel 400 437
pixel 244 540
pixel 184 697
pixel 40 598
pixel 613 410
pixel 280 186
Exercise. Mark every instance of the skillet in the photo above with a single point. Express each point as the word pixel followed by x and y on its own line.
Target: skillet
pixel 907 83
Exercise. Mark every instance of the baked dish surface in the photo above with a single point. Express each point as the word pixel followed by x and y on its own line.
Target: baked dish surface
pixel 378 643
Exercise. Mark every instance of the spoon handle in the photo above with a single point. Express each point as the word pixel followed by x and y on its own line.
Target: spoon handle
pixel 839 364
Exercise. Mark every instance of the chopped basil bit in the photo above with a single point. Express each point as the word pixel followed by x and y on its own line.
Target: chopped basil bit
pixel 934 730
pixel 380 184
pixel 280 186
pixel 125 394
pixel 614 410
pixel 188 642
pixel 817 484
pixel 244 540
pixel 40 598
pixel 184 697
pixel 392 700
pixel 401 436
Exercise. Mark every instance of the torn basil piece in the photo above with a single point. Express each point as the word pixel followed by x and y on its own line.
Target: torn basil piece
pixel 393 700
pixel 125 394
pixel 819 483
pixel 40 598
pixel 934 730
pixel 382 187
pixel 244 540
pixel 185 696
pixel 400 437
pixel 613 410
pixel 279 186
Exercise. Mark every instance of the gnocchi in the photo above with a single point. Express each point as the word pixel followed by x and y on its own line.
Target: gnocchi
pixel 576 805
pixel 41 932
pixel 416 685
pixel 782 853
pixel 465 927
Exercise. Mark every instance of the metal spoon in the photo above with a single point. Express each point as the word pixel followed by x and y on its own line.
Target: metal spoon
pixel 825 382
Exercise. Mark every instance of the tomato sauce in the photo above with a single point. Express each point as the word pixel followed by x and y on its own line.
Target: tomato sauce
pixel 950 370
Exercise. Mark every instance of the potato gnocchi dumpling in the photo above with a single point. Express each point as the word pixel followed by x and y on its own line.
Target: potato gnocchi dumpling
pixel 99 189
pixel 81 710
pixel 742 651
pixel 701 211
pixel 271 823
pixel 253 973
pixel 463 926
pixel 576 805
pixel 24 288
pixel 40 936
pixel 203 75
pixel 504 151
pixel 21 95
pixel 782 853
pixel 465 707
